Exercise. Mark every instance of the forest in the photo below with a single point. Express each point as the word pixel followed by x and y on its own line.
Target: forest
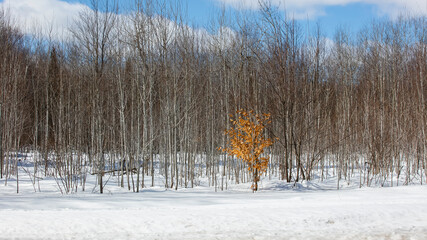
pixel 144 94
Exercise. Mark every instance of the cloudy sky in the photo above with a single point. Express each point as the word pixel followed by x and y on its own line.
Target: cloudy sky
pixel 351 14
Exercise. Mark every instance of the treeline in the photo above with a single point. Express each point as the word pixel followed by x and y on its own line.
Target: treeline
pixel 144 94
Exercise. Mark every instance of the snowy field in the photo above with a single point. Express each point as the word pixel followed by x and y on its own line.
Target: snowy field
pixel 311 210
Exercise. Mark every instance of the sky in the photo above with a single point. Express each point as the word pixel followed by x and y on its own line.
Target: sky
pixel 330 14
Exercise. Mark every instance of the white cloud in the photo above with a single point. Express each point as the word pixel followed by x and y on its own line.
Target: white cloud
pixel 394 8
pixel 302 9
pixel 52 17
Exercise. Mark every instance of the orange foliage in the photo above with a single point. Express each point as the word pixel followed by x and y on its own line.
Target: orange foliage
pixel 248 143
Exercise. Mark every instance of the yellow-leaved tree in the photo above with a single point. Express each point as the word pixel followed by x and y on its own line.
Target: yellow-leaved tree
pixel 247 142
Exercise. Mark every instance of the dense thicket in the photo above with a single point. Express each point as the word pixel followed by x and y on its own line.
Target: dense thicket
pixel 146 95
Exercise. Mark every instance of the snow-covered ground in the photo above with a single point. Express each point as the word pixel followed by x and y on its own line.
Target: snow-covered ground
pixel 278 211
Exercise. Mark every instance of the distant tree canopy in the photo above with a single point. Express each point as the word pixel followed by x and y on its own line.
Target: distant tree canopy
pixel 148 89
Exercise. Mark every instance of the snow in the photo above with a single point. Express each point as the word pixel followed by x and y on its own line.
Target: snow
pixel 309 210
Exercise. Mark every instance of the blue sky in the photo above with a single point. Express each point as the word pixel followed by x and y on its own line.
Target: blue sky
pixel 350 14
